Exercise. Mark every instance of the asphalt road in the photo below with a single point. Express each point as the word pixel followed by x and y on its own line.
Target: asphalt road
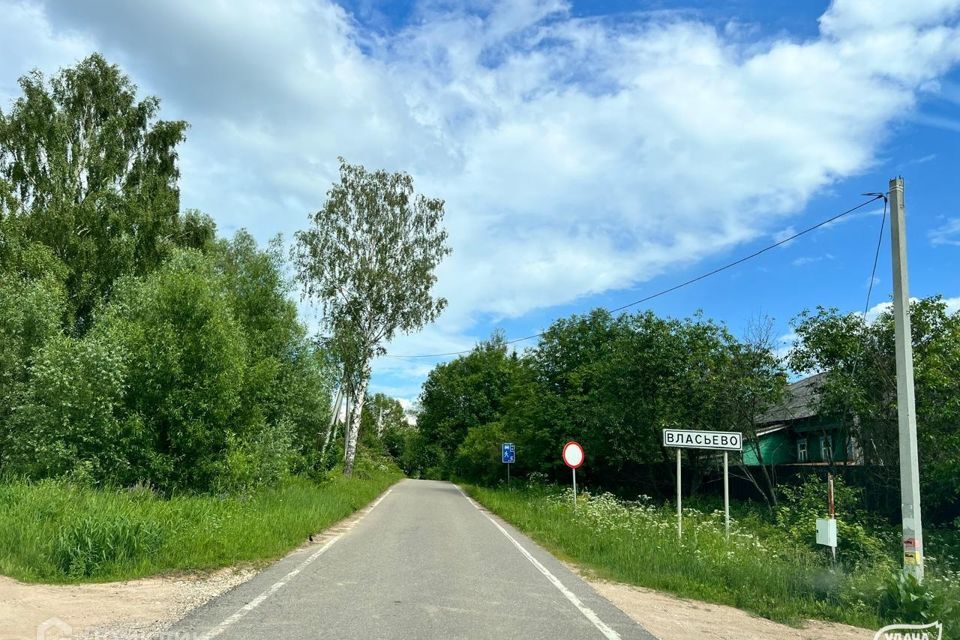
pixel 425 562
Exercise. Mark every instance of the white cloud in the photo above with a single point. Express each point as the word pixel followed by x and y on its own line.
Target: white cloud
pixel 803 261
pixel 953 306
pixel 576 155
pixel 947 234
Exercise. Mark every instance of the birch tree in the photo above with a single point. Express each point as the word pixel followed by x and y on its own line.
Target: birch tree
pixel 369 258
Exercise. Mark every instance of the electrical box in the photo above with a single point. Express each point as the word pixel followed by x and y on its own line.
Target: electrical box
pixel 827 532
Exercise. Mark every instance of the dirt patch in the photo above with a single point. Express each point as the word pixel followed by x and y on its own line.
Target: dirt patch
pixel 671 618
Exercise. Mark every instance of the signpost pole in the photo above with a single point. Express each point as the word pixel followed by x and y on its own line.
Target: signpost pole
pixel 726 492
pixel 508 474
pixel 906 403
pixel 679 500
pixel 574 489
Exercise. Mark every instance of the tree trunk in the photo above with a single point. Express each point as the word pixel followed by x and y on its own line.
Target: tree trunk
pixel 333 420
pixel 353 428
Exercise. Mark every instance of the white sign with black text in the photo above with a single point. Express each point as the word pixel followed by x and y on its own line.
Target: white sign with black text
pixel 717 440
pixel 725 441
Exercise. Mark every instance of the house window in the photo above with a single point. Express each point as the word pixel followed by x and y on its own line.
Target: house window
pixel 826 446
pixel 802 450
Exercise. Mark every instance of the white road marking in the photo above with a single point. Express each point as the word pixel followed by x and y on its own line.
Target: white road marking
pixel 587 612
pixel 279 584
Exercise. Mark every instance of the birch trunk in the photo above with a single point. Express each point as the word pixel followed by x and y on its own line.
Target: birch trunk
pixel 353 428
pixel 333 420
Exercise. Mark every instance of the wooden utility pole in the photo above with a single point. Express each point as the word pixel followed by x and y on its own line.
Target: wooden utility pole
pixel 906 403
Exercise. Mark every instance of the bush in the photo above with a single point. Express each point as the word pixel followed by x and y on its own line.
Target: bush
pixel 261 460
pixel 859 534
pixel 187 363
pixel 903 599
pixel 479 455
pixel 71 420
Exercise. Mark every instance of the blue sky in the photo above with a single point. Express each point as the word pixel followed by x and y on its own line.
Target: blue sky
pixel 590 153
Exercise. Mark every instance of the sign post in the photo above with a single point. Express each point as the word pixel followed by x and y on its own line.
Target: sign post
pixel 508 455
pixel 726 493
pixel 679 499
pixel 725 441
pixel 573 457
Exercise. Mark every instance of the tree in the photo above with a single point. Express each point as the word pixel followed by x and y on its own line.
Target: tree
pixel 754 383
pixel 464 394
pixel 95 176
pixel 369 258
pixel 860 391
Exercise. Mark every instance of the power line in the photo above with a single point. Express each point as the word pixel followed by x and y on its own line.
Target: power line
pixel 686 283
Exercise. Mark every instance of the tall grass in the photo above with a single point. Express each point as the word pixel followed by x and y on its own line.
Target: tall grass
pixel 759 569
pixel 57 532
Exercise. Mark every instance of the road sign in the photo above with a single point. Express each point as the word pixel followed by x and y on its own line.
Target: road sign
pixel 717 440
pixel 725 441
pixel 573 455
pixel 508 453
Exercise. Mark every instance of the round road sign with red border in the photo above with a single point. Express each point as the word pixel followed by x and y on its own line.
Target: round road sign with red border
pixel 573 455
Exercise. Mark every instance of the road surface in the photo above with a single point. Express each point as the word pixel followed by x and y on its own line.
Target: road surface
pixel 425 562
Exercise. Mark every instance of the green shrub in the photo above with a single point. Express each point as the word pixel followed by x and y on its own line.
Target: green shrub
pixel 903 599
pixel 70 421
pixel 860 537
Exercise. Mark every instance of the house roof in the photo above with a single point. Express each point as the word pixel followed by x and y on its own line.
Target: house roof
pixel 799 401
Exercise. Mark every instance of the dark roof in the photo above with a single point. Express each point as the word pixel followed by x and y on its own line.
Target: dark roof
pixel 799 401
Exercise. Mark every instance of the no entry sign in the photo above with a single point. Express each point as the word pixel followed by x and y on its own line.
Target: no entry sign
pixel 573 454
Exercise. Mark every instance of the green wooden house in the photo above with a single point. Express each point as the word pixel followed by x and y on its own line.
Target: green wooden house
pixel 795 433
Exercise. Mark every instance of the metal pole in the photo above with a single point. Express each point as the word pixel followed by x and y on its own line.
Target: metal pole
pixel 574 489
pixel 831 512
pixel 508 474
pixel 726 491
pixel 679 500
pixel 906 404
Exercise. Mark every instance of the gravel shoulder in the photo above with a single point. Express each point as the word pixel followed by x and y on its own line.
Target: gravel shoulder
pixel 671 618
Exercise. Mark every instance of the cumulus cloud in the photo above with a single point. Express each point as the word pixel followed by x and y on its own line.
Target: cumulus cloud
pixel 576 155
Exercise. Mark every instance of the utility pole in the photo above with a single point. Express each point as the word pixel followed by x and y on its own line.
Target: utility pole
pixel 906 403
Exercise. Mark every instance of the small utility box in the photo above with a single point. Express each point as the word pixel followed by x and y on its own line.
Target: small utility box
pixel 827 532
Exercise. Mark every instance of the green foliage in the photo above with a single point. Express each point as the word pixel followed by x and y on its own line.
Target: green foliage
pixel 611 383
pixel 94 173
pixel 187 361
pixel 464 394
pixel 862 383
pixel 479 455
pixel 54 531
pixel 903 599
pixel 858 532
pixel 263 460
pixel 70 417
pixel 369 259
pixel 99 543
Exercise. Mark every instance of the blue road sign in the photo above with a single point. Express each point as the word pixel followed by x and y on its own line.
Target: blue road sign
pixel 508 453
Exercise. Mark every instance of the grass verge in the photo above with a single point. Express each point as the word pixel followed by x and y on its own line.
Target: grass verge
pixel 759 570
pixel 61 533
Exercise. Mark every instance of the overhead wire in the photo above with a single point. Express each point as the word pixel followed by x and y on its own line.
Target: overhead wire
pixel 712 272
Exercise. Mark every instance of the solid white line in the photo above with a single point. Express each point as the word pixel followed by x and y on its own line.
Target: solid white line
pixel 587 612
pixel 279 584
